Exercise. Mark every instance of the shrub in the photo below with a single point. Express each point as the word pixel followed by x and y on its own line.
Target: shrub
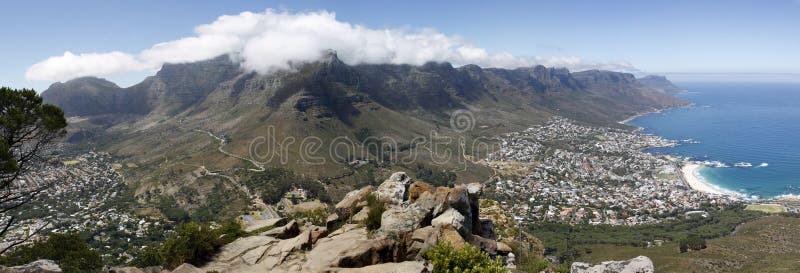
pixel 693 242
pixel 468 259
pixel 315 216
pixel 196 243
pixel 376 209
pixel 69 251
pixel 149 257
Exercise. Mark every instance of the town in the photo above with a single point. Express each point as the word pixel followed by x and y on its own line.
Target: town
pixel 86 196
pixel 566 172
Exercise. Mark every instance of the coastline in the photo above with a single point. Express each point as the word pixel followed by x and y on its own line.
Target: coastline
pixel 690 172
pixel 692 177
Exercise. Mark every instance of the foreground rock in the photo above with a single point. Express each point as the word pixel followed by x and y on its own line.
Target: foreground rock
pixel 639 264
pixel 39 266
pixel 404 267
pixel 417 217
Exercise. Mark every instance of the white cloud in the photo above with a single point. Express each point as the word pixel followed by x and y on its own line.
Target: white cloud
pixel 69 66
pixel 271 40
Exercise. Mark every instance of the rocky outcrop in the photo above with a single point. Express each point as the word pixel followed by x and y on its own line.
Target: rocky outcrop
pixel 402 219
pixel 408 228
pixel 351 202
pixel 454 219
pixel 289 230
pixel 639 264
pixel 349 249
pixel 393 190
pixel 39 266
pixel 404 267
pixel 416 189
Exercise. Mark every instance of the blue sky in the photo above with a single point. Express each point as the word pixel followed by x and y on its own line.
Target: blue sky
pixel 689 40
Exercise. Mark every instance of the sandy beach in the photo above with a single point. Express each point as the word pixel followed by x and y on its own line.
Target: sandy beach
pixel 692 177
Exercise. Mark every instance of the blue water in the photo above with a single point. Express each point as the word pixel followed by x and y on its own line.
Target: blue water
pixel 737 122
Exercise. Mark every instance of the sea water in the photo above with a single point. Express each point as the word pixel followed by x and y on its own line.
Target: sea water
pixel 756 125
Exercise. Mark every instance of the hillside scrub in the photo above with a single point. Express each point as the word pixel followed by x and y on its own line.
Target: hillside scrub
pixel 69 251
pixel 467 259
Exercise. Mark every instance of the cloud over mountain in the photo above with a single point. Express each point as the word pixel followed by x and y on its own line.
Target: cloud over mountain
pixel 269 41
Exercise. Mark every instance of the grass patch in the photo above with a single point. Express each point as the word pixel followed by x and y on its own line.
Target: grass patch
pixel 769 244
pixel 767 208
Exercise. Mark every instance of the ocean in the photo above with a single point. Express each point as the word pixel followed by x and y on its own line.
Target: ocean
pixel 754 124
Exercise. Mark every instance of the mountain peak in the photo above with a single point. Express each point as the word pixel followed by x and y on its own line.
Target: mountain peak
pixel 660 83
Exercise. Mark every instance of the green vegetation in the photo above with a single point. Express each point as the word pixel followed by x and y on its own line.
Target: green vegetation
pixel 766 244
pixel 274 182
pixel 435 177
pixel 467 259
pixel 568 242
pixel 766 208
pixel 376 209
pixel 28 127
pixel 692 242
pixel 191 243
pixel 528 259
pixel 219 203
pixel 315 216
pixel 69 251
pixel 169 207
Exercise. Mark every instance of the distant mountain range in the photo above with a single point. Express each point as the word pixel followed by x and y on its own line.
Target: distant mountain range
pixel 661 83
pixel 158 119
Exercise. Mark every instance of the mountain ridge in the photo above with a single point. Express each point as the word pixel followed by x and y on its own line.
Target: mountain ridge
pixel 161 127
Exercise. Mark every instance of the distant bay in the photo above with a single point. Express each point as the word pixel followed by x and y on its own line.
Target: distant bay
pixel 756 125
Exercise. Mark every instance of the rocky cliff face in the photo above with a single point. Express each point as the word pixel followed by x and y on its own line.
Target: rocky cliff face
pixel 640 264
pixel 417 217
pixel 331 83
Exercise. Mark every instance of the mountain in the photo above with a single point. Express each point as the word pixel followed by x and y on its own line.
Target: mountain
pixel 660 83
pixel 162 124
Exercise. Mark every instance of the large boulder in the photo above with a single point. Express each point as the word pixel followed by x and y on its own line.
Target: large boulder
pixel 360 217
pixel 448 234
pixel 474 191
pixel 404 267
pixel 393 190
pixel 38 266
pixel 458 198
pixel 421 240
pixel 348 249
pixel 639 264
pixel 452 218
pixel 416 189
pixel 332 221
pixel 503 248
pixel 351 201
pixel 487 229
pixel 241 246
pixel 487 245
pixel 187 268
pixel 317 233
pixel 402 219
pixel 290 230
pixel 435 201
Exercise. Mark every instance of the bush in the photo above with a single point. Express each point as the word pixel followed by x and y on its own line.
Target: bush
pixel 196 243
pixel 315 216
pixel 273 183
pixel 693 242
pixel 376 209
pixel 69 251
pixel 149 257
pixel 468 259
